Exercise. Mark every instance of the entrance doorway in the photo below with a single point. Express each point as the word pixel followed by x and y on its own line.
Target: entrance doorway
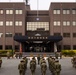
pixel 38 47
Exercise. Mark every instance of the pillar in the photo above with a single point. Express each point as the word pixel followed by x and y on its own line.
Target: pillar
pixel 55 47
pixel 20 48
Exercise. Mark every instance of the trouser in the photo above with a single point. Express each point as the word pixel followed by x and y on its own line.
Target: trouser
pixel 43 72
pixel 21 72
pixel 32 72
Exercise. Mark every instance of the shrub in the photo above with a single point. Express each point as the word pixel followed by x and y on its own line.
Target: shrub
pixel 4 52
pixel 68 52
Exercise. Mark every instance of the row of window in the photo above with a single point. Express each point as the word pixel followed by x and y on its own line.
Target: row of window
pixel 65 23
pixel 10 47
pixel 9 34
pixel 11 11
pixel 57 34
pixel 67 11
pixel 65 34
pixel 10 23
pixel 37 26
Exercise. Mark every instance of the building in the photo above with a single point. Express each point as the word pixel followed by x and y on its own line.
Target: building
pixel 38 31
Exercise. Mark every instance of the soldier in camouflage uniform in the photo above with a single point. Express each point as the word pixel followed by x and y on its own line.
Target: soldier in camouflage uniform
pixel 74 61
pixel 57 68
pixel 33 66
pixel 43 68
pixel 21 68
pixel 0 62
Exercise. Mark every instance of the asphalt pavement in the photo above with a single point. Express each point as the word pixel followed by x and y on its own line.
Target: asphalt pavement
pixel 10 67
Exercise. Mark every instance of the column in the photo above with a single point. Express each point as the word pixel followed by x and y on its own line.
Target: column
pixel 20 48
pixel 55 47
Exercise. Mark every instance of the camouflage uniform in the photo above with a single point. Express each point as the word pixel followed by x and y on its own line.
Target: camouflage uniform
pixel 74 61
pixel 43 68
pixel 21 68
pixel 33 66
pixel 25 61
pixel 0 62
pixel 57 67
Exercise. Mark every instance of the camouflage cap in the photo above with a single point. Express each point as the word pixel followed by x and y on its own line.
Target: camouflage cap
pixel 56 60
pixel 22 61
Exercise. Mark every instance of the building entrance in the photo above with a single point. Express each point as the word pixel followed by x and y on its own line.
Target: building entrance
pixel 38 47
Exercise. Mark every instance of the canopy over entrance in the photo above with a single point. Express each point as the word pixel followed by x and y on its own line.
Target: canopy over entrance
pixel 22 39
pixel 37 44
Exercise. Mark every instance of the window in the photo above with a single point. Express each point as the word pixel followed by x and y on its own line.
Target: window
pixel 56 11
pixel 18 33
pixel 18 23
pixel 1 23
pixel 8 47
pixel 39 26
pixel 66 23
pixel 74 23
pixel 66 11
pixel 74 11
pixel 1 35
pixel 66 34
pixel 74 47
pixel 8 35
pixel 67 47
pixel 9 23
pixel 56 23
pixel 1 11
pixel 74 34
pixel 16 47
pixel 9 11
pixel 57 34
pixel 1 47
pixel 18 11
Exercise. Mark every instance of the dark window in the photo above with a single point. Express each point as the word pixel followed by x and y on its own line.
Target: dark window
pixel 8 47
pixel 18 33
pixel 66 47
pixel 8 35
pixel 58 48
pixel 16 47
pixel 1 47
pixel 66 34
pixel 74 34
pixel 74 47
pixel 57 34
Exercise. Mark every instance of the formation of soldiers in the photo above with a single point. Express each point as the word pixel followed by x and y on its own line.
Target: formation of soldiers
pixel 74 61
pixel 54 65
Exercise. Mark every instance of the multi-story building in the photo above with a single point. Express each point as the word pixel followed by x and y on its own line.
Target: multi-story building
pixel 38 31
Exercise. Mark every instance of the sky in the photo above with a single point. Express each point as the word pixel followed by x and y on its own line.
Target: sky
pixel 42 4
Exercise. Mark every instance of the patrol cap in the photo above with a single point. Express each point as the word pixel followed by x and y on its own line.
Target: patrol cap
pixel 56 60
pixel 22 61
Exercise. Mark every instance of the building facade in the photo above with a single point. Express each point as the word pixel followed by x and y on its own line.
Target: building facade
pixel 37 30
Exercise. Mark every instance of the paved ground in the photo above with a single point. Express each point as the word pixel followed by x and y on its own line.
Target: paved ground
pixel 9 67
